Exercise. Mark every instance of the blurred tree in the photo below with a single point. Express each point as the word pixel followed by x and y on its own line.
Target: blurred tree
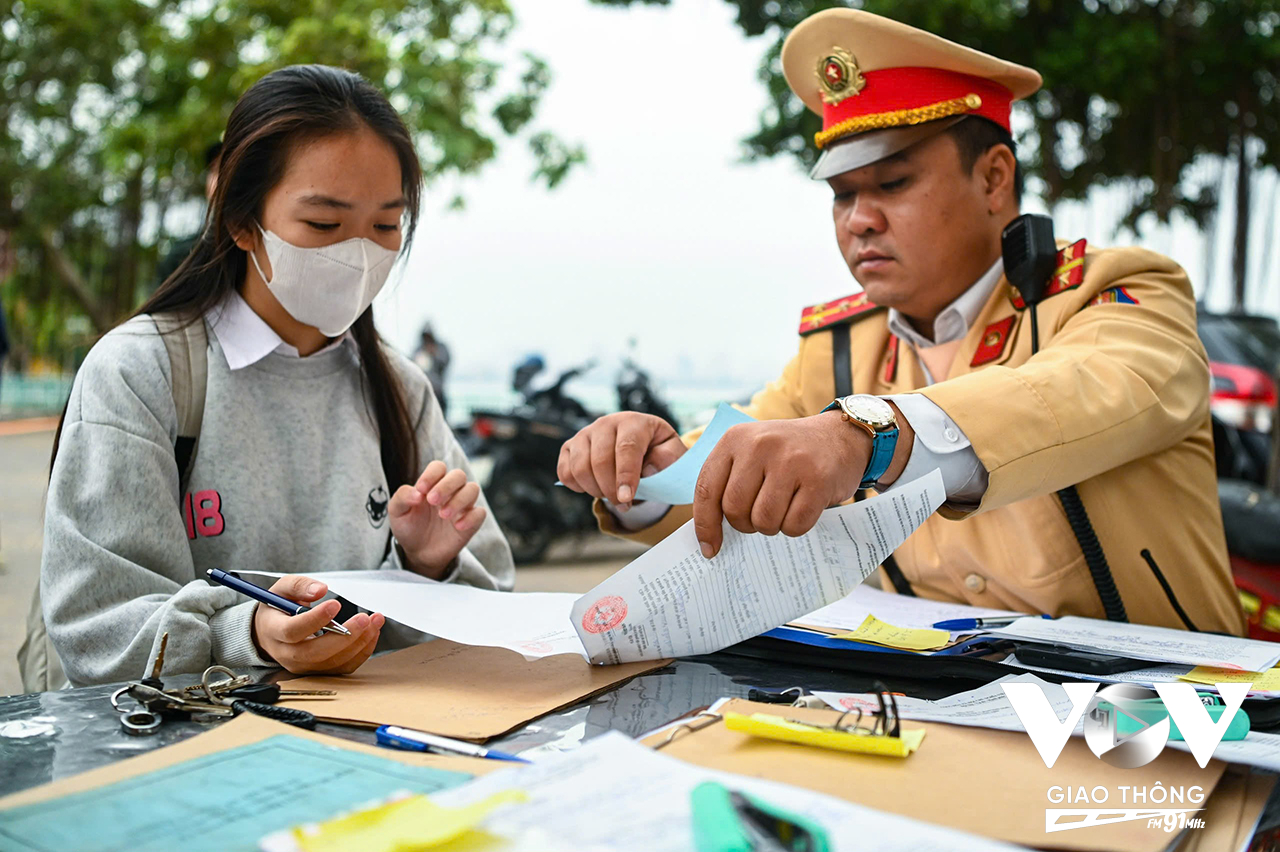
pixel 1135 90
pixel 110 104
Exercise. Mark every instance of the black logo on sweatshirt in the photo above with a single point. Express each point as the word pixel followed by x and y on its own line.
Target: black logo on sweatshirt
pixel 376 506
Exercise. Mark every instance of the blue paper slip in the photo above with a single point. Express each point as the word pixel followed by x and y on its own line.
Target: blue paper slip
pixel 675 484
pixel 231 799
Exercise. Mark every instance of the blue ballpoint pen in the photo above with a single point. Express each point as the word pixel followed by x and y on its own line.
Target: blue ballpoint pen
pixel 395 736
pixel 271 599
pixel 957 625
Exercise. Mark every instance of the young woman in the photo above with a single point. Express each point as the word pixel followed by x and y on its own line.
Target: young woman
pixel 311 450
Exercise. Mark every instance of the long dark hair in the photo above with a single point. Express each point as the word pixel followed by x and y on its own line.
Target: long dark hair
pixel 286 107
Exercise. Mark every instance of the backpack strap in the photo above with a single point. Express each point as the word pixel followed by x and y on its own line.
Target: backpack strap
pixel 187 345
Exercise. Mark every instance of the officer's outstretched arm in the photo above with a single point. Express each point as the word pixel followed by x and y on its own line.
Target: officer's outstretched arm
pixel 1112 382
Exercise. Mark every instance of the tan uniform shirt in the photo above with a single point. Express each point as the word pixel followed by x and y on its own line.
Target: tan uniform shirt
pixel 1116 402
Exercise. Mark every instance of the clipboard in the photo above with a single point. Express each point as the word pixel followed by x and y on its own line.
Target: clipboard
pixel 989 783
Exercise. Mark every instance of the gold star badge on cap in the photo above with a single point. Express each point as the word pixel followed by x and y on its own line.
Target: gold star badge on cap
pixel 839 77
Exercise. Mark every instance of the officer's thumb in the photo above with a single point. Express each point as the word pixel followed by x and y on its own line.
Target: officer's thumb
pixel 296 587
pixel 663 455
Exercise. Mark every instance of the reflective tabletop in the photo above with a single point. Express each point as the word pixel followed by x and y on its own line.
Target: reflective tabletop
pixel 52 735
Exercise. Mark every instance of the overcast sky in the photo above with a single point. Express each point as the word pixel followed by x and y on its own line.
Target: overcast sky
pixel 665 235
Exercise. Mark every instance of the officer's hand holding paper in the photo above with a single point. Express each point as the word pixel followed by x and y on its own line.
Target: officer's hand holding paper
pixel 672 601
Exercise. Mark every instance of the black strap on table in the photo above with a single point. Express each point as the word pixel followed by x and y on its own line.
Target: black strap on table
pixel 842 366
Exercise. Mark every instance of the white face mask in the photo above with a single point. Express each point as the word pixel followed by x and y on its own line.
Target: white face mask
pixel 327 287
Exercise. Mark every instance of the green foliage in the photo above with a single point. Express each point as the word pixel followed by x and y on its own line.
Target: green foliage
pixel 110 104
pixel 1134 90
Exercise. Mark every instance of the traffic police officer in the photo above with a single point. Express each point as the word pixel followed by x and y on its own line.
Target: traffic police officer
pixel 931 366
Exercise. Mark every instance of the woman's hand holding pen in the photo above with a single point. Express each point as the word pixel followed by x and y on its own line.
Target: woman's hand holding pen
pixel 290 640
pixel 434 518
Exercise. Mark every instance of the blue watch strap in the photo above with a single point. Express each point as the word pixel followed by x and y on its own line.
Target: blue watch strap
pixel 882 446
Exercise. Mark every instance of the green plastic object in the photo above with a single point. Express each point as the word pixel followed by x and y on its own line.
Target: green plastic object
pixel 725 820
pixel 1152 710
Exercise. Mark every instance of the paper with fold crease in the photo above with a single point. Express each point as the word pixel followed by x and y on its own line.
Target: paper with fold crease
pixel 673 602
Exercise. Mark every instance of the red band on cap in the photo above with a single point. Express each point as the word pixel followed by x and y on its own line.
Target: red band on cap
pixel 895 97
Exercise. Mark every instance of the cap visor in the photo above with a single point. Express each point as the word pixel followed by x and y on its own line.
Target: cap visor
pixel 866 148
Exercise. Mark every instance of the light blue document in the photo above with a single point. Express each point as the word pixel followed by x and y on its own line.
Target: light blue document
pixel 225 801
pixel 675 484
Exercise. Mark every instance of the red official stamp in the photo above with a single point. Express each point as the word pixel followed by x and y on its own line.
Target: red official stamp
pixel 605 614
pixel 857 702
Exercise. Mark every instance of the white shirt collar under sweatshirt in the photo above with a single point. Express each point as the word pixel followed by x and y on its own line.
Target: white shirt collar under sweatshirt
pixel 246 338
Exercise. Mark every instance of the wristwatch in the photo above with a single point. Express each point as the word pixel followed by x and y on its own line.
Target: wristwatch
pixel 875 416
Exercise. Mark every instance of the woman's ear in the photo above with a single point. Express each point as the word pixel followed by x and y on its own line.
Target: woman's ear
pixel 246 239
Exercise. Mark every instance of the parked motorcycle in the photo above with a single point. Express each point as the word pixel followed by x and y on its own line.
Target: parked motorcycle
pixel 636 393
pixel 522 448
pixel 1243 353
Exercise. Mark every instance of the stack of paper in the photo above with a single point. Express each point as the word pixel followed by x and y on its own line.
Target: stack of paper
pixel 902 610
pixel 1144 642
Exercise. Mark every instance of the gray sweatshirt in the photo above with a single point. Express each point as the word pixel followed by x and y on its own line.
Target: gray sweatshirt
pixel 287 477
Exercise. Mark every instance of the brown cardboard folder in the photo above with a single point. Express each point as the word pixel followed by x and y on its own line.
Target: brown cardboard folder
pixel 986 782
pixel 464 691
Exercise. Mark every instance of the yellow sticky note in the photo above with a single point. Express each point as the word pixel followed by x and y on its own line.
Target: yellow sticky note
pixel 1268 681
pixel 406 825
pixel 772 727
pixel 907 638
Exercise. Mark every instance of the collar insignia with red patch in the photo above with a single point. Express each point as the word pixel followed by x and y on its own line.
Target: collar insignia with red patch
pixel 818 317
pixel 994 339
pixel 1068 275
pixel 891 366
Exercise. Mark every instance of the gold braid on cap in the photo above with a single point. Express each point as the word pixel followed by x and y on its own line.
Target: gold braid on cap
pixel 897 118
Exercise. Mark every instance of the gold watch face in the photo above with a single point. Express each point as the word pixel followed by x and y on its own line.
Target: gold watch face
pixel 872 410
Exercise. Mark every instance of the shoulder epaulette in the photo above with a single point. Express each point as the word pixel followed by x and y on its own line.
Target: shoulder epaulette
pixel 817 317
pixel 1068 275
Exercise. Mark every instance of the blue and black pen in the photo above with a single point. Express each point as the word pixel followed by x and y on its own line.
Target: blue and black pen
pixel 271 599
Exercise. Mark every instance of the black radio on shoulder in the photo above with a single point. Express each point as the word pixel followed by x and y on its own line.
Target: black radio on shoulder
pixel 1030 255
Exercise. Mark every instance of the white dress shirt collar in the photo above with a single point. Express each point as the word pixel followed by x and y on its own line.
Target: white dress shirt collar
pixel 956 318
pixel 246 338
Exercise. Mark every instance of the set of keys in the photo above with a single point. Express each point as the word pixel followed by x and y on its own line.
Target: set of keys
pixel 210 699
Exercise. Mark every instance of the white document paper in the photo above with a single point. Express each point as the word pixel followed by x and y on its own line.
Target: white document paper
pixel 1256 749
pixel 989 707
pixel 1144 642
pixel 849 612
pixel 984 707
pixel 674 602
pixel 535 624
pixel 1168 673
pixel 615 794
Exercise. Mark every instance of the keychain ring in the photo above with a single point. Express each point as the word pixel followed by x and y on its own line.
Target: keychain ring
pixel 208 687
pixel 115 699
pixel 140 723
